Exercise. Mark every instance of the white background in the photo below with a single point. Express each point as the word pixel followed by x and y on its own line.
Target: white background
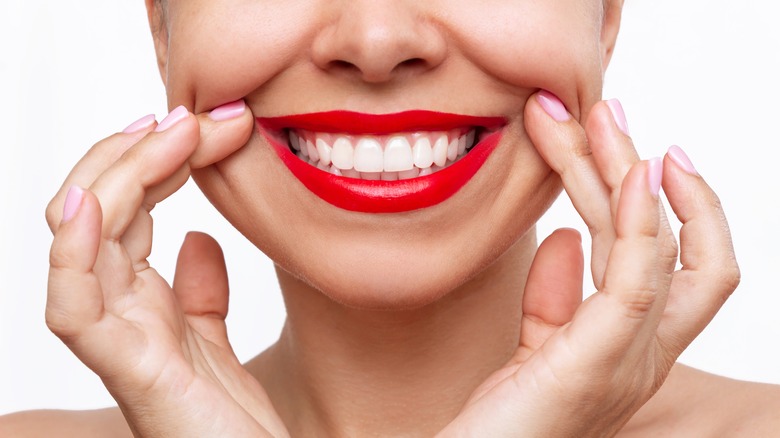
pixel 702 74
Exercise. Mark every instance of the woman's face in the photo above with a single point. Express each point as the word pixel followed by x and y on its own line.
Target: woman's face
pixel 465 57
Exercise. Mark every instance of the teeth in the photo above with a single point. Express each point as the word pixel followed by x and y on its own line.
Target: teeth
pixel 323 150
pixel 342 155
pixel 452 151
pixel 440 150
pixel 304 149
pixel 409 174
pixel 368 155
pixel 422 153
pixel 294 141
pixel 388 158
pixel 313 155
pixel 470 138
pixel 351 173
pixel 461 146
pixel 389 176
pixel 398 154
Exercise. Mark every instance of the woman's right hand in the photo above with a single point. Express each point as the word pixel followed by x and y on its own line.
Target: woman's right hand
pixel 161 351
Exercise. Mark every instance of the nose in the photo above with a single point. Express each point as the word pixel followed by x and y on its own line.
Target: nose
pixel 376 40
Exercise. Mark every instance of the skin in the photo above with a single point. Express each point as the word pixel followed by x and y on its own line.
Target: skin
pixel 386 353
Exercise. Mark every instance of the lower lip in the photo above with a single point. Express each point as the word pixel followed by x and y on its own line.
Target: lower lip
pixel 367 196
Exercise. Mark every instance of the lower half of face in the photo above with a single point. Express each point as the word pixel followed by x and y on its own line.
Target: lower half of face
pixel 323 79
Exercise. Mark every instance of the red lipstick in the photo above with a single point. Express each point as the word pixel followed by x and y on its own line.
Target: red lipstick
pixel 382 196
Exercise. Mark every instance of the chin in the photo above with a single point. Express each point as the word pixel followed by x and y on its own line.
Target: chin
pixel 391 274
pixel 379 285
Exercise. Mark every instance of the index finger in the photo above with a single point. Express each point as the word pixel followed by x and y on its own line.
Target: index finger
pixel 96 161
pixel 562 143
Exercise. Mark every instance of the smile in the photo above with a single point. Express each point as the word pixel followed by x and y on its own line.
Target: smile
pixel 385 163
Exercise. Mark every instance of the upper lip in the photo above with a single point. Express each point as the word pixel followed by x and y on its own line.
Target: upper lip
pixel 379 124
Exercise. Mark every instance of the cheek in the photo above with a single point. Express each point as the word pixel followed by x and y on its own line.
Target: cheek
pixel 553 45
pixel 222 51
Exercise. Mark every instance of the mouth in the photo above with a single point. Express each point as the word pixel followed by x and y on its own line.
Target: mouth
pixel 383 163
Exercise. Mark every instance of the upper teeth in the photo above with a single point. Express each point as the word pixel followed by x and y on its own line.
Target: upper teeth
pixel 404 155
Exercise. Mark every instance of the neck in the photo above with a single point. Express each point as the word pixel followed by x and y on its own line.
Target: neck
pixel 344 371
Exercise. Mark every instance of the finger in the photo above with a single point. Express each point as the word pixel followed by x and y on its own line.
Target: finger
pixel 102 155
pixel 553 291
pixel 614 154
pixel 562 143
pixel 75 298
pixel 629 306
pixel 201 286
pixel 222 131
pixel 159 164
pixel 76 309
pixel 613 149
pixel 709 268
pixel 122 188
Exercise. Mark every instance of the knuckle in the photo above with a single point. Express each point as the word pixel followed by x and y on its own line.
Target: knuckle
pixel 637 303
pixel 60 323
pixel 581 147
pixel 53 213
pixel 714 202
pixel 670 250
pixel 59 258
pixel 729 279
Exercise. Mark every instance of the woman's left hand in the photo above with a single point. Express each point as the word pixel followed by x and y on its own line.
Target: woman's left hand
pixel 585 368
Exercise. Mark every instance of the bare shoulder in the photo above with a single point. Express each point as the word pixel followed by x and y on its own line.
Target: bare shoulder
pixel 48 423
pixel 696 403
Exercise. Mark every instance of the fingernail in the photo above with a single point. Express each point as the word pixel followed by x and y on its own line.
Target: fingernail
pixel 655 172
pixel 228 111
pixel 72 203
pixel 553 106
pixel 681 159
pixel 618 115
pixel 142 123
pixel 177 115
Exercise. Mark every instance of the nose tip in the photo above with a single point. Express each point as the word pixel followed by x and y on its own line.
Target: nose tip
pixel 376 41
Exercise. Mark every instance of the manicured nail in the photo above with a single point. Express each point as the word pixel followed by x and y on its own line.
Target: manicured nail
pixel 655 172
pixel 553 106
pixel 228 111
pixel 72 203
pixel 618 115
pixel 177 115
pixel 142 123
pixel 681 159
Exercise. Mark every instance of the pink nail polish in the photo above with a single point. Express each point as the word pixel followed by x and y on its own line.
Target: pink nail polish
pixel 553 106
pixel 618 115
pixel 228 111
pixel 655 172
pixel 177 115
pixel 681 159
pixel 142 123
pixel 72 203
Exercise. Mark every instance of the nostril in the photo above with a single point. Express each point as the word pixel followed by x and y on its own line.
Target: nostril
pixel 414 62
pixel 342 64
pixel 375 72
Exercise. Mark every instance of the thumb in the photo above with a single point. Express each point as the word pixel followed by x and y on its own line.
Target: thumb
pixel 201 285
pixel 553 291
